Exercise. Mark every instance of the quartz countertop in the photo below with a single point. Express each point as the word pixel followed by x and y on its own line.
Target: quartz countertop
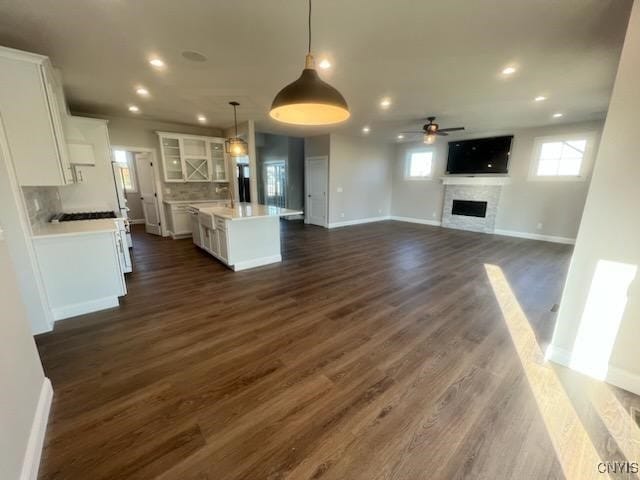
pixel 189 202
pixel 247 211
pixel 81 227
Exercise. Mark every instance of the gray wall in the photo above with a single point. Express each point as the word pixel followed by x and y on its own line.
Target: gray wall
pixel 361 168
pixel 21 375
pixel 295 174
pixel 607 251
pixel 557 205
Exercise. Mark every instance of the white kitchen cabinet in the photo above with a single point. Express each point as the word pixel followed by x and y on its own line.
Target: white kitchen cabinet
pixel 81 154
pixel 82 273
pixel 178 220
pixel 193 158
pixel 30 109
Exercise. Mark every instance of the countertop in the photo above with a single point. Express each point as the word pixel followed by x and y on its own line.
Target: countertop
pixel 247 211
pixel 189 202
pixel 82 227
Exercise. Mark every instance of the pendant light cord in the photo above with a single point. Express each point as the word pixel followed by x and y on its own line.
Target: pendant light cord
pixel 309 49
pixel 235 120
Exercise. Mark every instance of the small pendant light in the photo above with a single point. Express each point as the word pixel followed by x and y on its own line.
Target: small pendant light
pixel 309 100
pixel 235 146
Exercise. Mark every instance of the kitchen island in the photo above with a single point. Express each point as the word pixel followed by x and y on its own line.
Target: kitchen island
pixel 242 237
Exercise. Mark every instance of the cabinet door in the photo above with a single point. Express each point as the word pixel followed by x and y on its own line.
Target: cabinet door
pixel 223 251
pixel 181 221
pixel 196 160
pixel 218 162
pixel 37 147
pixel 171 159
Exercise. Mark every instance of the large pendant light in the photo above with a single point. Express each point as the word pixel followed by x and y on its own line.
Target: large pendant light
pixel 309 100
pixel 235 146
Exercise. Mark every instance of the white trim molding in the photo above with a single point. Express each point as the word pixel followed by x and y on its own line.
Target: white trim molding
pixel 359 221
pixel 535 236
pixel 256 262
pixel 31 462
pixel 137 221
pixel 615 376
pixel 421 221
pixel 480 180
pixel 76 309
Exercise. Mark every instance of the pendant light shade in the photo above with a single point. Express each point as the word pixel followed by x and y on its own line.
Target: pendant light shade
pixel 235 146
pixel 309 100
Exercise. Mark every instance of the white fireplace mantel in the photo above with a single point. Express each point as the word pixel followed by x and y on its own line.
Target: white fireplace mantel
pixel 454 180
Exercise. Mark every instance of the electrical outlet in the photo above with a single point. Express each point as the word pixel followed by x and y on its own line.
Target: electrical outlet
pixel 167 190
pixel 379 210
pixel 433 214
pixel 339 189
pixel 36 204
pixel 539 226
pixel 342 215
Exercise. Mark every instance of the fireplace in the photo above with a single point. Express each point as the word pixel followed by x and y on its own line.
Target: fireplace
pixel 469 208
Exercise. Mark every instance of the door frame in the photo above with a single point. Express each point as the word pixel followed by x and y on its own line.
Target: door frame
pixel 158 180
pixel 324 158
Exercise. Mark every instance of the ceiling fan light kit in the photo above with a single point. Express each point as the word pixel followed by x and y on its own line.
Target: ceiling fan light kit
pixel 431 131
pixel 309 100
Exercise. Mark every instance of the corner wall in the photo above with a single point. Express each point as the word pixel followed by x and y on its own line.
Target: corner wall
pixel 598 323
pixel 557 205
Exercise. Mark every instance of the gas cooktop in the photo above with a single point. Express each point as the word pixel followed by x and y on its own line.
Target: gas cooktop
pixel 70 217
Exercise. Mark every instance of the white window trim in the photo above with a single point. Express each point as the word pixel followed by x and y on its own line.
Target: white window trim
pixel 407 164
pixel 130 164
pixel 585 166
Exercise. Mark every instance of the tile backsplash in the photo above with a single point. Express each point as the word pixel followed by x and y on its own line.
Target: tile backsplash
pixel 193 191
pixel 42 203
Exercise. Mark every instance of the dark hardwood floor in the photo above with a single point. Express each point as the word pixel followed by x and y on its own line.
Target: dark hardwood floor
pixel 382 351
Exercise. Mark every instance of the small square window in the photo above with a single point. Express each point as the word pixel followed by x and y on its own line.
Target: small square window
pixel 127 171
pixel 559 157
pixel 419 165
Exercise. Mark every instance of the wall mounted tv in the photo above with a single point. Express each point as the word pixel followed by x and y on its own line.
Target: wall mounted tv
pixel 479 156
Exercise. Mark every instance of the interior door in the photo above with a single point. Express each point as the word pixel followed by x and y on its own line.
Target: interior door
pixel 147 185
pixel 316 185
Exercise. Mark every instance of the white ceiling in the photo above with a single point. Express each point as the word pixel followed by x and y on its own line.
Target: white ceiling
pixel 430 57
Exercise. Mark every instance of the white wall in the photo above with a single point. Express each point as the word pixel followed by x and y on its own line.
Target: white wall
pixel 361 168
pixel 21 375
pixel 557 205
pixel 607 252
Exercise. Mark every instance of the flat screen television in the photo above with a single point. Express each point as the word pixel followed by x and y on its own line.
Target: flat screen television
pixel 479 156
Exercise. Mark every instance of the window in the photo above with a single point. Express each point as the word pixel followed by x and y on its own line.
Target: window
pixel 561 158
pixel 126 169
pixel 419 164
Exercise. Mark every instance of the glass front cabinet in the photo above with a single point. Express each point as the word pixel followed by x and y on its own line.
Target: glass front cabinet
pixel 191 158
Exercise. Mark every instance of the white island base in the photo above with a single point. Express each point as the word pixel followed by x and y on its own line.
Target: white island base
pixel 244 237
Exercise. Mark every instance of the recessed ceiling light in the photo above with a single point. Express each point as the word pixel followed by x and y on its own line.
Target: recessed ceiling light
pixel 385 102
pixel 324 64
pixel 400 137
pixel 540 98
pixel 202 118
pixel 557 115
pixel 509 71
pixel 143 92
pixel 133 109
pixel 157 63
pixel 366 129
pixel 194 56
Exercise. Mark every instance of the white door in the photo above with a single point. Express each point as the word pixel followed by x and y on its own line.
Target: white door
pixel 147 185
pixel 317 174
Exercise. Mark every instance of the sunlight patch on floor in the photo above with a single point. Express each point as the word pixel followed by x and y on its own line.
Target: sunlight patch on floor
pixel 574 449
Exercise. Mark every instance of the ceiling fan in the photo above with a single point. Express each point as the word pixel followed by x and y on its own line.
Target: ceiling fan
pixel 431 130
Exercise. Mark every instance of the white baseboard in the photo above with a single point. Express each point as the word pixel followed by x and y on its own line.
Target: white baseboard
pixel 258 262
pixel 357 222
pixel 31 462
pixel 421 221
pixel 294 217
pixel 85 307
pixel 615 376
pixel 536 236
pixel 137 221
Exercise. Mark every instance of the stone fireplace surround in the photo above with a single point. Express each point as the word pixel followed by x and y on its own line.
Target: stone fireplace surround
pixel 482 189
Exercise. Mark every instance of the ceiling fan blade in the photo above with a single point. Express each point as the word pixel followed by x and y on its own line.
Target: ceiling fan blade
pixel 454 129
pixel 413 132
pixel 442 134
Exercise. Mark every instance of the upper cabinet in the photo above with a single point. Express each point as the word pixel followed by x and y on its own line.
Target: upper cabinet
pixel 32 116
pixel 191 158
